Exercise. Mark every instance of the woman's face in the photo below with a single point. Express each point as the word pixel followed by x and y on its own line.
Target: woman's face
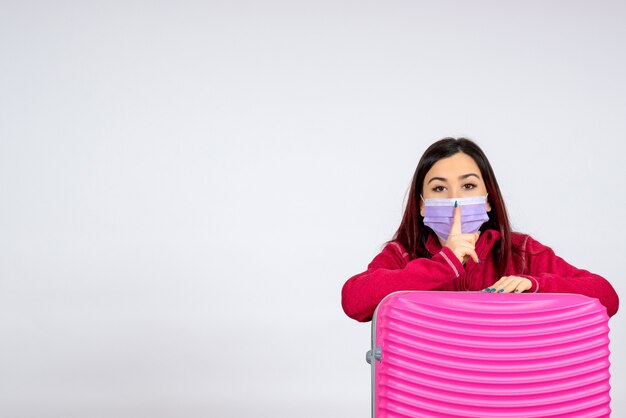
pixel 455 176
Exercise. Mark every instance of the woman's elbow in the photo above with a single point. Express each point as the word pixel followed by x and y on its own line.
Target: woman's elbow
pixel 352 304
pixel 612 304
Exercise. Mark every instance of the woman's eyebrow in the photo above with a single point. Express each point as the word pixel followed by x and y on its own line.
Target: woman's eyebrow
pixel 463 177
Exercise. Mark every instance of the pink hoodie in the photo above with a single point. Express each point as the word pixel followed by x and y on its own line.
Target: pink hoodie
pixel 391 270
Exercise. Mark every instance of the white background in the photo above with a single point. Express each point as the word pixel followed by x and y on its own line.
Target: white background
pixel 185 186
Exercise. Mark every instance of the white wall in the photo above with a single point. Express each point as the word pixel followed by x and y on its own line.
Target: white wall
pixel 185 186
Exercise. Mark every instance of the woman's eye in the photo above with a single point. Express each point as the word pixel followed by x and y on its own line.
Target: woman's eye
pixel 465 186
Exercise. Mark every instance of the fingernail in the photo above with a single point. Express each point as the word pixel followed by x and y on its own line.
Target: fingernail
pixel 515 291
pixel 455 203
pixel 501 290
pixel 478 260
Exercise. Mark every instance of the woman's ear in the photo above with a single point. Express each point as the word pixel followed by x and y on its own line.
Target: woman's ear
pixel 488 207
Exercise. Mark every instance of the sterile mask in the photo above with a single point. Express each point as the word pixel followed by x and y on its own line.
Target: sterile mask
pixel 439 214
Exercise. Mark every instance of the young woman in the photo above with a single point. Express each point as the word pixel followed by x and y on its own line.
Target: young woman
pixel 455 235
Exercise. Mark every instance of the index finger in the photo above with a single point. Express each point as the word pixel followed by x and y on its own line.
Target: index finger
pixel 456 223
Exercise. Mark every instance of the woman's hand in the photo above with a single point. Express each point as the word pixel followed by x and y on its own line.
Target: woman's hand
pixel 508 284
pixel 462 245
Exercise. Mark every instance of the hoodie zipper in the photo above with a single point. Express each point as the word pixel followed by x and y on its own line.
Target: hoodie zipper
pixel 468 273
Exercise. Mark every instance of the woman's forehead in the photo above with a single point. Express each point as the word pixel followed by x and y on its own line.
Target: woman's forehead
pixel 452 167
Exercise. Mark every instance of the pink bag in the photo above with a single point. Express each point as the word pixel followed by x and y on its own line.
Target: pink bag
pixel 484 355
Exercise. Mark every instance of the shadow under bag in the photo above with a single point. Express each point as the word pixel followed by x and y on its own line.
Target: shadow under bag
pixel 488 355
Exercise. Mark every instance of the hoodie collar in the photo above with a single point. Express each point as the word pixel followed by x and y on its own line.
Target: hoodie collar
pixel 486 239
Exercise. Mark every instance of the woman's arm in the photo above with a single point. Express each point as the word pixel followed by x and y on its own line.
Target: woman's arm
pixel 549 273
pixel 389 272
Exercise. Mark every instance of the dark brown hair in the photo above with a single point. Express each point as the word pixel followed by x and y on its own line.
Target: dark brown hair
pixel 412 233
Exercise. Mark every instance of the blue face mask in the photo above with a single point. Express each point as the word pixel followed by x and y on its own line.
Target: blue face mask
pixel 439 214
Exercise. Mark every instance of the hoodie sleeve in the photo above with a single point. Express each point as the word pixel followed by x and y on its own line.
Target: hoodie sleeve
pixel 549 273
pixel 390 271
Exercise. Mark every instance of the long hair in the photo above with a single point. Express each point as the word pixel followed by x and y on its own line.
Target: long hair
pixel 412 233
